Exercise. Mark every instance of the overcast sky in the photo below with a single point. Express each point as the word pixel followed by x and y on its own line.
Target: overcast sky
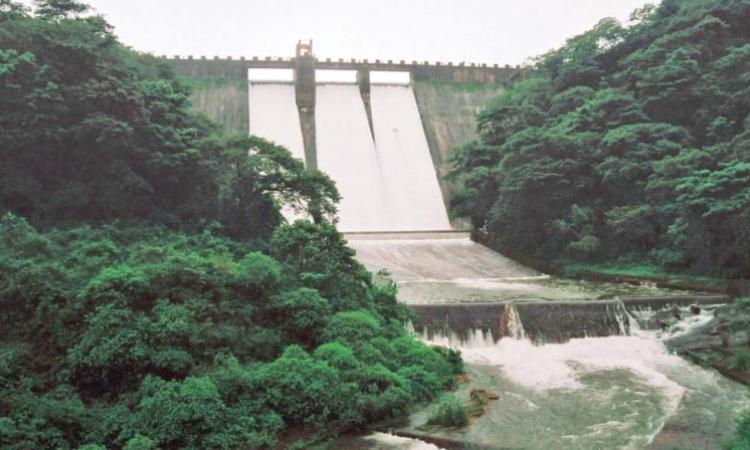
pixel 483 31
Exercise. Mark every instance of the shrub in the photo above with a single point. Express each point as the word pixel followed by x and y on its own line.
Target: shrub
pixel 448 412
pixel 740 359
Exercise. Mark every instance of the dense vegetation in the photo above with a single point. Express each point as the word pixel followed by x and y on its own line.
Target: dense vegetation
pixel 151 294
pixel 630 144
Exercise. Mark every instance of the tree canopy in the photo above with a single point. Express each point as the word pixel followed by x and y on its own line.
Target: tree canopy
pixel 94 132
pixel 153 294
pixel 629 143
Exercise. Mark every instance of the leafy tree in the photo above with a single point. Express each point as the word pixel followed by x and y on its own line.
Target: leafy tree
pixel 627 144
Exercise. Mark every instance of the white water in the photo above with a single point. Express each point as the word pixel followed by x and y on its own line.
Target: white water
pixel 346 152
pixel 390 441
pixel 387 183
pixel 413 195
pixel 458 270
pixel 610 392
pixel 274 115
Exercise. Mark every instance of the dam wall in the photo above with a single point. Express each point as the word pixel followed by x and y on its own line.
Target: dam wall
pixel 449 115
pixel 216 67
pixel 544 320
pixel 448 97
pixel 222 99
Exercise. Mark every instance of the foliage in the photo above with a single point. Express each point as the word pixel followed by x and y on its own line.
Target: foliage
pixel 94 132
pixel 172 340
pixel 741 441
pixel 629 144
pixel 153 295
pixel 449 412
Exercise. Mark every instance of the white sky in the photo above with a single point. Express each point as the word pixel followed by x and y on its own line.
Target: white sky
pixel 482 31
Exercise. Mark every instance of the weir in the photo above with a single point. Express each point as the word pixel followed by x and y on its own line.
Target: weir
pixel 542 321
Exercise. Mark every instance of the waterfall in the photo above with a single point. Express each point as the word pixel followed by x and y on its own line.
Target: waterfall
pixel 274 115
pixel 346 152
pixel 511 324
pixel 410 184
pixel 387 183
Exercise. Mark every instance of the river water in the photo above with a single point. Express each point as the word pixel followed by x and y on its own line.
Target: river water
pixel 616 392
pixel 458 270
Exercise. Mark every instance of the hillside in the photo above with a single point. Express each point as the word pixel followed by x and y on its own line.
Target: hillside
pixel 629 145
pixel 152 294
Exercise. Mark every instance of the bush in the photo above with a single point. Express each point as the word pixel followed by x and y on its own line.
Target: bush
pixel 740 359
pixel 449 412
pixel 741 440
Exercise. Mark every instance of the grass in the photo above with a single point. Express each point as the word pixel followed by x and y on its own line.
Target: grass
pixel 640 271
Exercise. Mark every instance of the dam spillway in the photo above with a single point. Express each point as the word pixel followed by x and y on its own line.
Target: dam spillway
pixel 409 179
pixel 380 160
pixel 346 152
pixel 273 115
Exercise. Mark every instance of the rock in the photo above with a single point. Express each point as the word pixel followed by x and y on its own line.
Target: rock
pixel 462 378
pixel 483 393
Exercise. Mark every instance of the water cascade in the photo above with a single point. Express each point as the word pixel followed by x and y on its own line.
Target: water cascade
pixel 274 115
pixel 412 192
pixel 346 152
pixel 576 365
pixel 620 391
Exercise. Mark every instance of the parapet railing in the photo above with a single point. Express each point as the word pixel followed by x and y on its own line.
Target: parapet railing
pixel 377 64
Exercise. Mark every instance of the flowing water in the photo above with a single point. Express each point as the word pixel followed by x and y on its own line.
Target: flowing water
pixel 385 175
pixel 458 270
pixel 624 391
pixel 346 152
pixel 274 115
pixel 616 392
pixel 412 192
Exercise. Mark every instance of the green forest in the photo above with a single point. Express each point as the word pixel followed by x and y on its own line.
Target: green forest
pixel 629 145
pixel 154 297
pixel 152 294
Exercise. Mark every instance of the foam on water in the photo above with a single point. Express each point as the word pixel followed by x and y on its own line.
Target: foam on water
pixel 391 441
pixel 621 390
pixel 563 364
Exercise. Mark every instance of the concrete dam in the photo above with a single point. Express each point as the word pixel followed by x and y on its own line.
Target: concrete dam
pixel 384 131
pixel 348 126
pixel 577 365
